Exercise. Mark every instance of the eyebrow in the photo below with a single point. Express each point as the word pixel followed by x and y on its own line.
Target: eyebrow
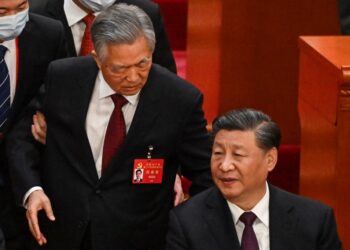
pixel 146 58
pixel 236 146
pixel 22 3
pixel 19 5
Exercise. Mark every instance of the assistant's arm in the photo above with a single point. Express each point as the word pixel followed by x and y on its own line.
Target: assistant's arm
pixel 195 148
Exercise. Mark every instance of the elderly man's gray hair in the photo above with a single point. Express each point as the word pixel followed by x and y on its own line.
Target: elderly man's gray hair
pixel 121 24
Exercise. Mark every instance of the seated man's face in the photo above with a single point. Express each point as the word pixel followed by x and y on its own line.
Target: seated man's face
pixel 239 167
pixel 125 67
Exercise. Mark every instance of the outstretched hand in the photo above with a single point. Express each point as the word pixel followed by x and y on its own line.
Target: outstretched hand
pixel 38 201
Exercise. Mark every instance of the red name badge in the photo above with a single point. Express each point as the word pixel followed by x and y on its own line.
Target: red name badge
pixel 148 171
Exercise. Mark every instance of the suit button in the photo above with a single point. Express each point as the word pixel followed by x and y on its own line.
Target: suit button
pixel 98 191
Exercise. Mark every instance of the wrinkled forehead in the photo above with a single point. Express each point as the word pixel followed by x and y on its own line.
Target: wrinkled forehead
pixel 125 53
pixel 236 138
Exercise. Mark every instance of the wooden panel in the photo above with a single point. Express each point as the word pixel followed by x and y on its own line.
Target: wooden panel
pixel 343 164
pixel 204 51
pixel 318 155
pixel 174 13
pixel 260 63
pixel 324 106
pixel 254 62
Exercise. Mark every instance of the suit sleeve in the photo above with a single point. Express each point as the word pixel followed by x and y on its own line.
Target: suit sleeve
pixel 329 237
pixel 162 53
pixel 176 239
pixel 24 153
pixel 195 148
pixel 2 240
pixel 38 6
pixel 61 50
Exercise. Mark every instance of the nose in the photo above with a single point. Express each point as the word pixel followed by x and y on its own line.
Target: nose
pixel 133 75
pixel 227 163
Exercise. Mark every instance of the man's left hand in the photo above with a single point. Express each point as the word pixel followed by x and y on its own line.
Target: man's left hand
pixel 39 127
pixel 179 194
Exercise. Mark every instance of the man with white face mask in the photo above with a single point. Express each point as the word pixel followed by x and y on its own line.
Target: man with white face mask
pixel 72 12
pixel 28 43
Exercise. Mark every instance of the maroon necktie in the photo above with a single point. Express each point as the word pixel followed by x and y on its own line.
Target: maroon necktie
pixel 116 131
pixel 86 44
pixel 249 241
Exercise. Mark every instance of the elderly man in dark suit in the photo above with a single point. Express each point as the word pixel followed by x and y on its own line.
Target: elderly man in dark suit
pixel 243 211
pixel 107 116
pixel 72 13
pixel 28 43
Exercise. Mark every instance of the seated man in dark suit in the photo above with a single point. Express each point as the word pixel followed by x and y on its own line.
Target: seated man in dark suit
pixel 28 43
pixel 243 211
pixel 107 116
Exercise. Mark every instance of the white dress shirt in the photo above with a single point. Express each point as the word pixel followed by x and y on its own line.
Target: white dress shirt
pixel 261 223
pixel 11 62
pixel 75 15
pixel 100 110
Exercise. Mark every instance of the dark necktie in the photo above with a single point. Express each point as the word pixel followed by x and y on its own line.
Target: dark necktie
pixel 116 131
pixel 249 241
pixel 4 89
pixel 86 44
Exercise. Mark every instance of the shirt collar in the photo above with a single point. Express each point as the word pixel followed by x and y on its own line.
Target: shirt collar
pixel 105 91
pixel 10 45
pixel 261 209
pixel 74 13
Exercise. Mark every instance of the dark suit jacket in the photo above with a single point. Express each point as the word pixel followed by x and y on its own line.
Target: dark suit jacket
pixel 169 116
pixel 2 241
pixel 205 223
pixel 344 14
pixel 162 54
pixel 41 42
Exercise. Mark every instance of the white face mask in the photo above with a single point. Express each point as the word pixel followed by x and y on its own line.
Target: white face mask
pixel 12 26
pixel 97 5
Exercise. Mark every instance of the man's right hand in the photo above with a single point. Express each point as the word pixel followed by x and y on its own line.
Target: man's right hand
pixel 38 201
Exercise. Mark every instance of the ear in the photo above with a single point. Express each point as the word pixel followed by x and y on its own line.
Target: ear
pixel 271 158
pixel 97 60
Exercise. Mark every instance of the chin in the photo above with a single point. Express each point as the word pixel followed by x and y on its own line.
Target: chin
pixel 230 193
pixel 131 92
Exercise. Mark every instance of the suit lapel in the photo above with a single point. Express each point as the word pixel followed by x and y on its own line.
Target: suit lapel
pixel 220 222
pixel 283 221
pixel 86 83
pixel 56 11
